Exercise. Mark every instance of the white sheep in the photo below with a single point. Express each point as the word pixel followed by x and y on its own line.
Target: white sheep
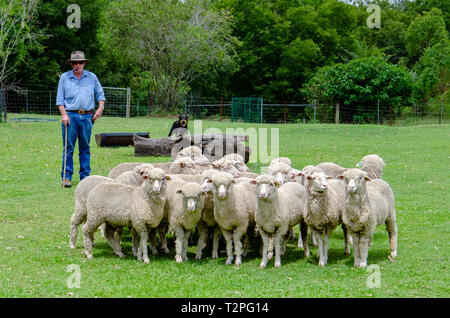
pixel 234 211
pixel 134 177
pixel 281 171
pixel 324 212
pixel 183 165
pixel 284 160
pixel 185 210
pixel 369 203
pixel 331 169
pixel 195 153
pixel 238 161
pixel 226 165
pixel 123 167
pixel 373 165
pixel 119 205
pixel 271 217
pixel 80 211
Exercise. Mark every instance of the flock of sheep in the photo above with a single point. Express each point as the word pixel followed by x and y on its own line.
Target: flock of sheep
pixel 224 198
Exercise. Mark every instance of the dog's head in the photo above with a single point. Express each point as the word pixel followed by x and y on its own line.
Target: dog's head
pixel 183 119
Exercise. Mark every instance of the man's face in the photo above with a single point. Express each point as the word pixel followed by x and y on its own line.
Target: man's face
pixel 78 66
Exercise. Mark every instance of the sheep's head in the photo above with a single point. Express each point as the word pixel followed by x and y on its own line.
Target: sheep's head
pixel 141 169
pixel 156 180
pixel 221 183
pixel 184 164
pixel 266 186
pixel 280 171
pixel 373 165
pixel 317 182
pixel 193 196
pixel 226 166
pixel 354 180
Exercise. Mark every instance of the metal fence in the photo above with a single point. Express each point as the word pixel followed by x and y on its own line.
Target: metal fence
pixel 119 104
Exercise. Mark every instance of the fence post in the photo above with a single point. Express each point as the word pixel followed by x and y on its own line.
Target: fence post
pixel 378 111
pixel 127 114
pixel 262 106
pixel 390 111
pixel 26 101
pixel 285 112
pixel 221 106
pixel 336 117
pixel 442 109
pixel 314 111
pixel 50 103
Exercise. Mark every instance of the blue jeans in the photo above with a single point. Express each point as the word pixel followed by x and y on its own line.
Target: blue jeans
pixel 80 128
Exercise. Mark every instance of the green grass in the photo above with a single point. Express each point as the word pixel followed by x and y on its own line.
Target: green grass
pixel 35 213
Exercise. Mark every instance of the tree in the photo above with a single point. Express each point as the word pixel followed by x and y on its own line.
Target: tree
pixel 16 35
pixel 172 41
pixel 362 82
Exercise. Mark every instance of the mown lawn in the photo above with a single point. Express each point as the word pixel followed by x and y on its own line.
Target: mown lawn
pixel 35 213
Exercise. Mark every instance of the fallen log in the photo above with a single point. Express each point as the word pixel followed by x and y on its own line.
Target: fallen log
pixel 118 139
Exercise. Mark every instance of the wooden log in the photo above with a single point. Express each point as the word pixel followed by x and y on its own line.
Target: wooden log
pixel 118 139
pixel 153 146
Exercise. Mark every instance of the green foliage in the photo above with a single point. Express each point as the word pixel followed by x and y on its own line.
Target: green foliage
pixel 362 82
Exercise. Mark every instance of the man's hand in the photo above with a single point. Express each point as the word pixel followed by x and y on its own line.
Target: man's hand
pixel 64 117
pixel 99 111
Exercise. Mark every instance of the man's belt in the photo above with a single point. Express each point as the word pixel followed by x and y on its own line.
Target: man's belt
pixel 82 112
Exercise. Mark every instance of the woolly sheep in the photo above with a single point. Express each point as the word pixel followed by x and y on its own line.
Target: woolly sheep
pixel 183 165
pixel 238 161
pixel 373 165
pixel 123 167
pixel 284 160
pixel 195 153
pixel 134 177
pixel 80 211
pixel 280 171
pixel 369 203
pixel 270 216
pixel 324 211
pixel 119 205
pixel 331 169
pixel 234 211
pixel 226 165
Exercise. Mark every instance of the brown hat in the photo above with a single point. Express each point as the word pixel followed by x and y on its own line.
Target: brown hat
pixel 77 56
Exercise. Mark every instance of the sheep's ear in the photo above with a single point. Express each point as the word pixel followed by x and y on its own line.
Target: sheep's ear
pixel 309 178
pixel 144 177
pixel 233 181
pixel 179 191
pixel 299 174
pixel 182 164
pixel 328 178
pixel 141 172
pixel 168 178
pixel 209 181
pixel 359 164
pixel 203 194
pixel 277 184
pixel 253 182
pixel 367 178
pixel 340 177
pixel 214 165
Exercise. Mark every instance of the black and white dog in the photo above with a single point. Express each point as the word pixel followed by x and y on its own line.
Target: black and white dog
pixel 182 122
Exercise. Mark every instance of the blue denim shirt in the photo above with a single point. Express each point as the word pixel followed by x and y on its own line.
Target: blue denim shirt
pixel 78 94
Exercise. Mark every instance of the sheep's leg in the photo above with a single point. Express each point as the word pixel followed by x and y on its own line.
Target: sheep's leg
pixel 112 240
pixel 318 236
pixel 152 241
pixel 88 233
pixel 300 237
pixel 270 248
pixel 356 249
pixel 265 238
pixel 185 245
pixel 118 234
pixel 326 237
pixel 313 240
pixel 135 238
pixel 216 237
pixel 163 238
pixel 237 237
pixel 391 226
pixel 229 240
pixel 179 242
pixel 78 217
pixel 203 236
pixel 304 236
pixel 142 231
pixel 346 240
pixel 364 242
pixel 278 240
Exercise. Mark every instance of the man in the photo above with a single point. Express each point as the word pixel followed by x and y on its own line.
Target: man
pixel 75 99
